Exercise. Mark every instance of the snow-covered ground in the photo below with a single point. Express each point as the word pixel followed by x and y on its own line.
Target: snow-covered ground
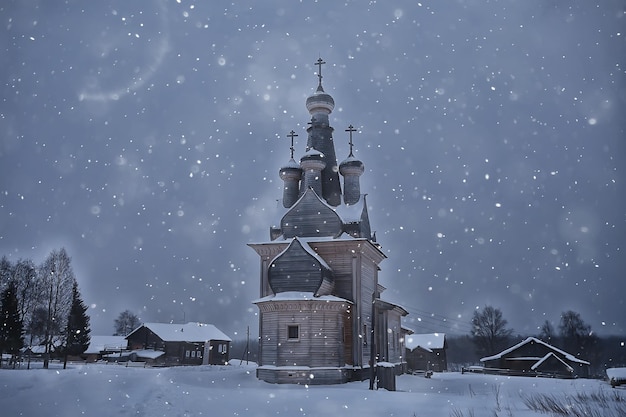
pixel 115 390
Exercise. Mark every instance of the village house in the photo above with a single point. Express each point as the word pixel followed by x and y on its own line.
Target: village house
pixel 180 344
pixel 426 352
pixel 534 357
pixel 323 318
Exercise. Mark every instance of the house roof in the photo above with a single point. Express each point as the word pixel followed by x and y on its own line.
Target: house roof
pixel 387 305
pixel 425 341
pixel 98 344
pixel 190 332
pixel 566 355
pixel 548 356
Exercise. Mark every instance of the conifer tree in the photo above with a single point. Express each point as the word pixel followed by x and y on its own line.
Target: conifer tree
pixel 77 332
pixel 11 326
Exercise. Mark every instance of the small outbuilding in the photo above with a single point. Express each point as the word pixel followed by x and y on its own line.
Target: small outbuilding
pixel 101 346
pixel 426 352
pixel 182 344
pixel 534 357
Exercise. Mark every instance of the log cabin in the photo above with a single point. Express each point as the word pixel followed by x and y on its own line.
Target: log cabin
pixel 182 344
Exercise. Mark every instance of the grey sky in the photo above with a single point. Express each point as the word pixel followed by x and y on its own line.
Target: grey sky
pixel 146 138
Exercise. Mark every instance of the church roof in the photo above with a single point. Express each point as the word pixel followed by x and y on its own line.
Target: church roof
pixel 300 296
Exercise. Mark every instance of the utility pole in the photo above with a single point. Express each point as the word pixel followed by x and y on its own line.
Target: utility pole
pixel 246 352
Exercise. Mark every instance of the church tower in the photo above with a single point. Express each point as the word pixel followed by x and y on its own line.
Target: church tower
pixel 322 319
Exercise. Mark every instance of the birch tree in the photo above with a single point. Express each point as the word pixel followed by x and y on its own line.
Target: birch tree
pixel 57 279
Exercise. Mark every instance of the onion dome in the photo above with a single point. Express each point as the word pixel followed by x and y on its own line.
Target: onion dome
pixel 291 175
pixel 312 164
pixel 351 166
pixel 320 102
pixel 290 170
pixel 313 159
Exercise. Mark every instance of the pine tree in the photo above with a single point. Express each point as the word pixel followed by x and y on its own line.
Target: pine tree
pixel 11 326
pixel 77 332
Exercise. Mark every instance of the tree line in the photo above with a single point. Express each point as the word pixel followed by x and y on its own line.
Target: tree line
pixel 491 334
pixel 41 305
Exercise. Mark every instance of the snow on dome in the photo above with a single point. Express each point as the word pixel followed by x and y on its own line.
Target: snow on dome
pixel 320 102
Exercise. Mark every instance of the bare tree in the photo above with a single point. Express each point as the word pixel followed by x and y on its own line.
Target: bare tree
pixel 546 332
pixel 28 290
pixel 6 272
pixel 489 330
pixel 576 335
pixel 57 278
pixel 125 323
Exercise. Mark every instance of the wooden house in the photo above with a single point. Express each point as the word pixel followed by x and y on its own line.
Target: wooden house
pixel 426 352
pixel 533 357
pixel 322 319
pixel 182 344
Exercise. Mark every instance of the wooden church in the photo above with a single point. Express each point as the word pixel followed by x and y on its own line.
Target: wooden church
pixel 322 318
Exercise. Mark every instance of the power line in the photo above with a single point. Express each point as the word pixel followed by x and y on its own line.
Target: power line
pixel 435 322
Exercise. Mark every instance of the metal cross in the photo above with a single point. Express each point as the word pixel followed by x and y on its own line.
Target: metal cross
pixel 319 63
pixel 351 129
pixel 292 135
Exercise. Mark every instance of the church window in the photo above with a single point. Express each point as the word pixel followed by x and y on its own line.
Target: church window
pixel 293 332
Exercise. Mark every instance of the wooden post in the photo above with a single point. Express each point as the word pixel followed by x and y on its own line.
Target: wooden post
pixel 372 344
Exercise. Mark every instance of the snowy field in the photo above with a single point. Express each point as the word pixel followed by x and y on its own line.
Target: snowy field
pixel 115 390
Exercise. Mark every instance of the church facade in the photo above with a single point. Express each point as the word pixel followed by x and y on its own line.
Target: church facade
pixel 321 316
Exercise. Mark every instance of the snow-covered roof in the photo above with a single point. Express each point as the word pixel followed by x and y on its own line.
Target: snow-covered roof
pixel 190 332
pixel 568 356
pixel 148 353
pixel 545 358
pixel 616 373
pixel 299 296
pixel 350 213
pixel 307 249
pixel 37 349
pixel 425 341
pixel 98 344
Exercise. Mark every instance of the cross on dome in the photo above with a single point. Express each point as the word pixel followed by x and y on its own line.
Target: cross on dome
pixel 351 129
pixel 292 135
pixel 319 64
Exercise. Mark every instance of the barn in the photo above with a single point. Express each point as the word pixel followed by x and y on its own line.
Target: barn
pixel 534 357
pixel 182 344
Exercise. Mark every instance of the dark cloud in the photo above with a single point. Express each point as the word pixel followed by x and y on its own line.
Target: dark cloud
pixel 147 139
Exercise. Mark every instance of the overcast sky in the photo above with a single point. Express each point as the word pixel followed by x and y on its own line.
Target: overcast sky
pixel 146 139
